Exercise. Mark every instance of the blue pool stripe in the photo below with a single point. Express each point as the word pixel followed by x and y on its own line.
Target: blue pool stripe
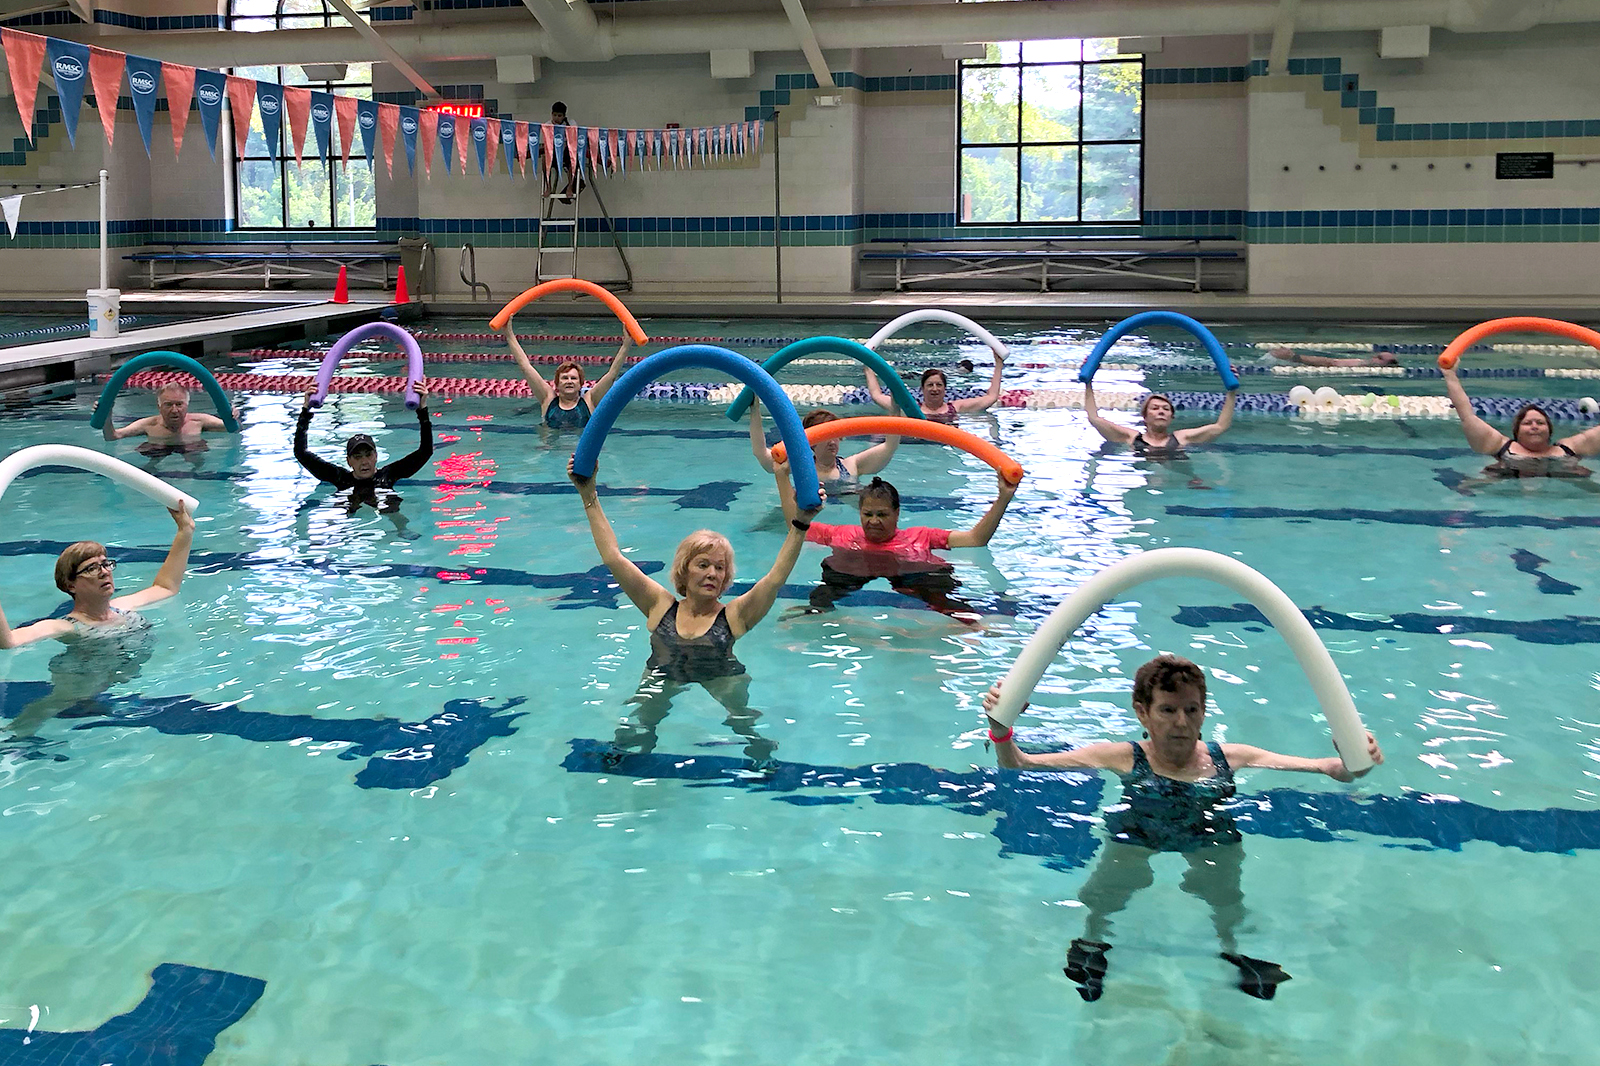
pixel 1573 629
pixel 176 1024
pixel 1399 517
pixel 1528 563
pixel 1052 816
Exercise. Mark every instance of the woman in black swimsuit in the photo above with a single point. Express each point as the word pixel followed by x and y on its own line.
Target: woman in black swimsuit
pixel 691 639
pixel 935 404
pixel 1158 440
pixel 565 405
pixel 1528 452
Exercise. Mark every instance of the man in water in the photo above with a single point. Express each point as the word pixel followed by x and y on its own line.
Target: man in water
pixel 174 429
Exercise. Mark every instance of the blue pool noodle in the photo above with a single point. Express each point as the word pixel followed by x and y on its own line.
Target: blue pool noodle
pixel 909 407
pixel 1213 347
pixel 102 407
pixel 802 463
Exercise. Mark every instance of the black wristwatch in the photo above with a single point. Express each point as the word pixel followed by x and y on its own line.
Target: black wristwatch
pixel 801 526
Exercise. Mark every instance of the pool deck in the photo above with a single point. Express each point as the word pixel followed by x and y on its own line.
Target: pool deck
pixel 63 360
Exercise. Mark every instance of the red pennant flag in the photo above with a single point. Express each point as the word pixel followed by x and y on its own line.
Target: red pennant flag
pixel 179 82
pixel 548 144
pixel 571 146
pixel 594 150
pixel 344 107
pixel 633 144
pixel 242 95
pixel 616 136
pixel 493 125
pixel 522 147
pixel 463 135
pixel 297 102
pixel 105 73
pixel 24 57
pixel 428 121
pixel 388 127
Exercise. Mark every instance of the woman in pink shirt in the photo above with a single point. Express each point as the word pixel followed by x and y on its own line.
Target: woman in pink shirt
pixel 880 547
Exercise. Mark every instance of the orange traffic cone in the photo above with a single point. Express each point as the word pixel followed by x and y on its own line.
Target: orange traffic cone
pixel 401 294
pixel 341 288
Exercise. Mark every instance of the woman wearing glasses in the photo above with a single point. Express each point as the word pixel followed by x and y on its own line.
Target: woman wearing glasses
pixel 84 573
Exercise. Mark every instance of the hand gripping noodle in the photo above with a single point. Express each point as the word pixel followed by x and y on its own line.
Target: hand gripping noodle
pixel 934 314
pixel 834 346
pixel 1452 354
pixel 19 462
pixel 922 429
pixel 405 340
pixel 605 296
pixel 806 491
pixel 108 395
pixel 1349 735
pixel 1213 347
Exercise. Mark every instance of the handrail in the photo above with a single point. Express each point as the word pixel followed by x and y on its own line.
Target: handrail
pixel 469 255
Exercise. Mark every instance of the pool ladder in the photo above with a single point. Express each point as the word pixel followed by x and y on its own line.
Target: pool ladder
pixel 469 261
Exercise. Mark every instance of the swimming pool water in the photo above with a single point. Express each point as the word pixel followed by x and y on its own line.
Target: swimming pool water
pixel 257 801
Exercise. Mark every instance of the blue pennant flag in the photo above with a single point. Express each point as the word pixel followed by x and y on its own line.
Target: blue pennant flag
pixel 269 101
pixel 144 79
pixel 447 140
pixel 508 144
pixel 367 122
pixel 69 65
pixel 480 141
pixel 410 124
pixel 210 90
pixel 322 121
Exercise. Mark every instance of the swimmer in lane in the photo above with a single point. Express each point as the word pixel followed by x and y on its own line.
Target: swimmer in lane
pixel 1175 788
pixel 1289 355
pixel 879 547
pixel 839 474
pixel 934 402
pixel 174 430
pixel 1158 440
pixel 1529 451
pixel 565 405
pixel 363 478
pixel 692 631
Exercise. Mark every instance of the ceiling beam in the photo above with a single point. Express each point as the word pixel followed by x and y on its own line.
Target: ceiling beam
pixel 1282 36
pixel 573 29
pixel 808 43
pixel 390 55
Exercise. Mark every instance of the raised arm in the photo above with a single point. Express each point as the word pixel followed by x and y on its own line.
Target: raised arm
pixel 536 384
pixel 1585 443
pixel 318 467
pixel 980 534
pixel 136 428
pixel 758 437
pixel 1483 438
pixel 407 466
pixel 746 610
pixel 1109 430
pixel 988 399
pixel 873 459
pixel 16 638
pixel 1201 434
pixel 651 598
pixel 1102 756
pixel 598 390
pixel 170 577
pixel 879 397
pixel 1241 755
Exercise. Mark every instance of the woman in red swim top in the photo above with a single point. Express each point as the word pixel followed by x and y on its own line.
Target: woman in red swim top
pixel 881 547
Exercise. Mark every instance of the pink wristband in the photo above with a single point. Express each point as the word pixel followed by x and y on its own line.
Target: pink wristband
pixel 1002 740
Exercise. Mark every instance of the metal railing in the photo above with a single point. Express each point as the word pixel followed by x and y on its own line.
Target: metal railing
pixel 469 261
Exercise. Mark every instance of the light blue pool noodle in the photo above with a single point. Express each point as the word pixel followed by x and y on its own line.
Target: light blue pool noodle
pixel 102 407
pixel 834 346
pixel 1213 347
pixel 400 336
pixel 802 463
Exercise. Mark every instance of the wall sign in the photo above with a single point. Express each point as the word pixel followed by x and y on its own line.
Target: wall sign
pixel 1512 165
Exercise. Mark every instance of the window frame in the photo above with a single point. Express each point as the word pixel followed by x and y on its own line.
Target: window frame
pixel 1022 65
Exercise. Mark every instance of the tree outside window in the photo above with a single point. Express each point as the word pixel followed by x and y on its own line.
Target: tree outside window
pixel 273 191
pixel 1051 131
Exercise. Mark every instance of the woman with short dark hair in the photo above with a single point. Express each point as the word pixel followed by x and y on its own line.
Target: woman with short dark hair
pixel 1529 451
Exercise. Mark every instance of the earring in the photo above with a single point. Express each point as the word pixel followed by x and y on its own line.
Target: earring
pixel 1145 733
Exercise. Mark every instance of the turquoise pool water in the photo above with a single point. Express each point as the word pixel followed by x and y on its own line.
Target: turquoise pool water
pixel 261 801
pixel 33 329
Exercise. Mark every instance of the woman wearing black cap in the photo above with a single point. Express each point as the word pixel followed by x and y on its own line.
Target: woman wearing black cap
pixel 364 476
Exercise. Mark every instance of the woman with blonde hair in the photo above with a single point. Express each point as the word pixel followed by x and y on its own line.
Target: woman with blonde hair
pixel 692 631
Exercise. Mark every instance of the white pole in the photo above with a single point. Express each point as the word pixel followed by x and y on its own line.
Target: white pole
pixel 104 275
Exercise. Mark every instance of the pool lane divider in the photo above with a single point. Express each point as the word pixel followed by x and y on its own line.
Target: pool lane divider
pixel 921 429
pixel 808 493
pixel 342 346
pixel 124 474
pixel 863 354
pixel 1349 734
pixel 108 395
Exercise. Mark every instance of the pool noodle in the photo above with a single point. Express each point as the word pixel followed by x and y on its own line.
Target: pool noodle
pixel 1213 347
pixel 1452 353
pixel 19 462
pixel 922 429
pixel 839 346
pixel 605 296
pixel 108 395
pixel 807 492
pixel 1349 734
pixel 935 314
pixel 407 342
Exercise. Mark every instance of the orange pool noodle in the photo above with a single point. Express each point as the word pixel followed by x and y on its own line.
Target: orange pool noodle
pixel 922 429
pixel 605 296
pixel 1451 355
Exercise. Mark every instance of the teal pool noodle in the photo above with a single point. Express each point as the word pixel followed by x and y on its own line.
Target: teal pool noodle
pixel 102 407
pixel 834 346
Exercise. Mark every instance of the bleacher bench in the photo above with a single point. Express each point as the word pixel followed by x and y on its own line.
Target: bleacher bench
pixel 1050 264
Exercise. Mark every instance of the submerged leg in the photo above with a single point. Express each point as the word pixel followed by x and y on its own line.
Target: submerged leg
pixel 934 588
pixel 637 733
pixel 835 586
pixel 1122 870
pixel 1213 875
pixel 734 694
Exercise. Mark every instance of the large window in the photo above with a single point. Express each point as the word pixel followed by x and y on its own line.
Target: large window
pixel 1051 131
pixel 273 191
